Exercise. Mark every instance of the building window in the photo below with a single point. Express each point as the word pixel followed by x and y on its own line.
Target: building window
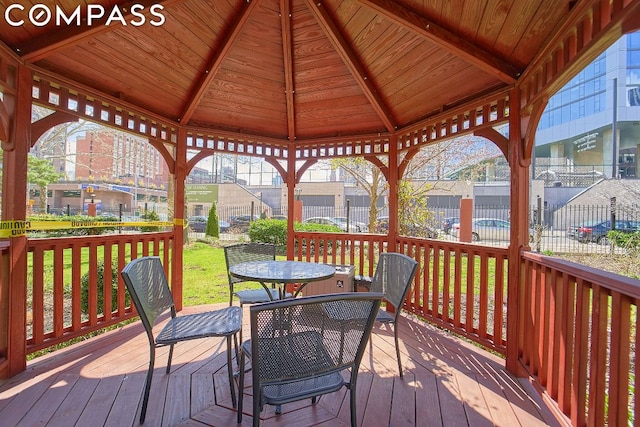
pixel 633 69
pixel 579 98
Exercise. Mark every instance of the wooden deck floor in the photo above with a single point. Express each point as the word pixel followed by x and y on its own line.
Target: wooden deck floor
pixel 447 382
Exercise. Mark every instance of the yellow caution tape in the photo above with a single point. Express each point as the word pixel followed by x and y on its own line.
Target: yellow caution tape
pixel 20 228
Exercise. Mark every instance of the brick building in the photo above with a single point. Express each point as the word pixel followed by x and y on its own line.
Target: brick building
pixel 112 156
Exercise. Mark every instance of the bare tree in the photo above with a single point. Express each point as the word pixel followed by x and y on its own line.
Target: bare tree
pixel 367 177
pixel 428 169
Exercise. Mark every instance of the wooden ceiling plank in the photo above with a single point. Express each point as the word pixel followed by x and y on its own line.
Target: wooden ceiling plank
pixel 350 60
pixel 457 45
pixel 287 55
pixel 40 47
pixel 215 62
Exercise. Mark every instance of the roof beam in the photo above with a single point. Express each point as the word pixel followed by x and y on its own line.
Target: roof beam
pixel 215 61
pixel 287 49
pixel 350 60
pixel 40 47
pixel 444 38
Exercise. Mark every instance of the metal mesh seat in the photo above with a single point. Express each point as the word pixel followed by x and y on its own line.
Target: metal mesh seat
pixel 393 277
pixel 299 348
pixel 147 283
pixel 245 252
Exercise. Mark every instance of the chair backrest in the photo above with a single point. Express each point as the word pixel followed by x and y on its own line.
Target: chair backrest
pixel 147 284
pixel 393 277
pixel 244 252
pixel 302 337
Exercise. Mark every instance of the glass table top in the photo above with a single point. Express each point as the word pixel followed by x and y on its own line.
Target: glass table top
pixel 282 271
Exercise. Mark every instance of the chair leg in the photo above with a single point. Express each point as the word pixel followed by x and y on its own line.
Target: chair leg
pixel 147 384
pixel 395 333
pixel 169 359
pixel 257 403
pixel 352 400
pixel 240 387
pixel 230 371
pixel 235 345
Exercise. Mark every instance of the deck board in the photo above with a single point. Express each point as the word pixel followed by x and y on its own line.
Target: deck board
pixel 447 382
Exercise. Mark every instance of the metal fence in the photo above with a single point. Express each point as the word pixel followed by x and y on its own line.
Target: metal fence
pixel 552 228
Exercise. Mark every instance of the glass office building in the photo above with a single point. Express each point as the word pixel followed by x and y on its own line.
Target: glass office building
pixel 575 133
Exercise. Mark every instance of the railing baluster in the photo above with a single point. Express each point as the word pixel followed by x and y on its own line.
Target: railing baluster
pixel 58 262
pixel 92 295
pixel 37 305
pixel 446 283
pixel 58 291
pixel 107 303
pixel 620 363
pixel 599 338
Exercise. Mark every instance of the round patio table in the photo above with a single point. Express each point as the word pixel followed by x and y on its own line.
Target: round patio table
pixel 279 273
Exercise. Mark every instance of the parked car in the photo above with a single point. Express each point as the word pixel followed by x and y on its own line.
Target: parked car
pixel 198 224
pixel 447 223
pixel 360 227
pixel 486 229
pixel 417 230
pixel 223 225
pixel 331 221
pixel 240 223
pixel 280 217
pixel 572 231
pixel 596 231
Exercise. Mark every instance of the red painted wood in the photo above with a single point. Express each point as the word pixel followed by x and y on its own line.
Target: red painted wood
pixel 81 249
pixel 37 305
pixel 597 373
pixel 586 346
pixel 620 360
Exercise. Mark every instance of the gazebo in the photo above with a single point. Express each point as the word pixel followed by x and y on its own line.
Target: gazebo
pixel 296 81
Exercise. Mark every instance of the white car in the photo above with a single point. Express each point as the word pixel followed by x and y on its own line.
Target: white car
pixel 486 229
pixel 361 227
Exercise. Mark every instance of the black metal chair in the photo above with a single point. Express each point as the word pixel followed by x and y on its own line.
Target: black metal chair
pixel 147 284
pixel 245 252
pixel 299 348
pixel 393 277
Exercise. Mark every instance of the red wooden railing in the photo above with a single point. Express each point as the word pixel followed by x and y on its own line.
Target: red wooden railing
pixel 360 250
pixel 55 283
pixel 577 325
pixel 578 330
pixel 459 287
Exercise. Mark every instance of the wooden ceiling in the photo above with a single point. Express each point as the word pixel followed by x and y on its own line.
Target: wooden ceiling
pixel 293 70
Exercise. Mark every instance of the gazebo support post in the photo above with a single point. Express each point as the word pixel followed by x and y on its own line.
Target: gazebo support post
pixel 13 309
pixel 522 125
pixel 177 253
pixel 393 181
pixel 290 179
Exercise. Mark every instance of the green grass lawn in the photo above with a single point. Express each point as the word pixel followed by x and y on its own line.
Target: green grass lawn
pixel 205 275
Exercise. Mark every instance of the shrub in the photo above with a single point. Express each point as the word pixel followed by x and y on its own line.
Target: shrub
pixel 317 228
pixel 269 231
pixel 101 279
pixel 628 241
pixel 150 216
pixel 213 228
